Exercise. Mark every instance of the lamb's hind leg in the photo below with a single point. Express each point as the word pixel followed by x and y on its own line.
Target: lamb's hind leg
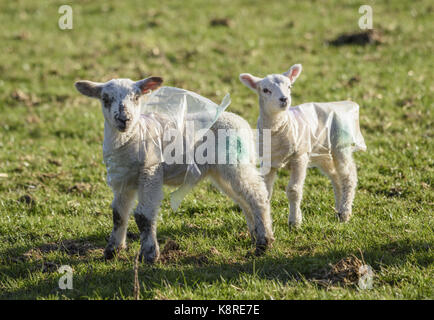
pixel 327 166
pixel 122 205
pixel 247 188
pixel 226 187
pixel 347 171
pixel 294 190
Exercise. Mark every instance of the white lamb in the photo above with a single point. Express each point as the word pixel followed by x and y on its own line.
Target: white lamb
pixel 317 134
pixel 129 138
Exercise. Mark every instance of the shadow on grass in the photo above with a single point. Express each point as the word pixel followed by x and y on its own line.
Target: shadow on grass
pixel 183 270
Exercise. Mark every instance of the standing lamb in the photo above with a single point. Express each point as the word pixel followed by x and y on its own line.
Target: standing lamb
pixel 130 138
pixel 312 134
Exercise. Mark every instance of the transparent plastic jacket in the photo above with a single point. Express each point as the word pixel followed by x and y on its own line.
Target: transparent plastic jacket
pixel 186 113
pixel 318 129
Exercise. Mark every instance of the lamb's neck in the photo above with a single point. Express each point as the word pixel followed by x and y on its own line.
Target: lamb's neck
pixel 272 121
pixel 114 139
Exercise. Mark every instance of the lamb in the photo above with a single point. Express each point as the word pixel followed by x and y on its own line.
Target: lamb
pixel 129 137
pixel 323 135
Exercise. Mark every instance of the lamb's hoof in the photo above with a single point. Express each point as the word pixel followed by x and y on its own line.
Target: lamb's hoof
pixel 110 252
pixel 260 250
pixel 262 246
pixel 295 219
pixel 270 241
pixel 344 217
pixel 149 255
pixel 294 223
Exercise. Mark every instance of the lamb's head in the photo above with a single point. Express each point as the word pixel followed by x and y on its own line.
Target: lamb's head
pixel 120 98
pixel 274 90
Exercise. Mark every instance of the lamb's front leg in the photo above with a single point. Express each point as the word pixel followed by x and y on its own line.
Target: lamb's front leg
pixel 122 204
pixel 150 197
pixel 269 179
pixel 294 191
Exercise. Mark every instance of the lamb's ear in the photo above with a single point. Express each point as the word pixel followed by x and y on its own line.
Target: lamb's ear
pixel 293 72
pixel 149 84
pixel 250 81
pixel 89 88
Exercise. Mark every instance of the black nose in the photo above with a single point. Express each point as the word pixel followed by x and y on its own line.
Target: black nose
pixel 284 99
pixel 122 116
pixel 122 121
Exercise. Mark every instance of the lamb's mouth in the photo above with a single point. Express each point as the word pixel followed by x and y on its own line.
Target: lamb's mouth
pixel 122 124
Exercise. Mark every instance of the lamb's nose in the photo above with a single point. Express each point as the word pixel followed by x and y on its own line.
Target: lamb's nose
pixel 123 117
pixel 284 99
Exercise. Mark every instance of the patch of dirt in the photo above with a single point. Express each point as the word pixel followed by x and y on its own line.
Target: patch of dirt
pixel 172 256
pixel 199 259
pixel 70 247
pixel 170 245
pixel 80 188
pixel 413 116
pixel 55 162
pixel 33 119
pixel 19 95
pixel 346 271
pixel 27 199
pixel 192 226
pixel 98 251
pixel 49 267
pixel 225 22
pixel 171 252
pixel 214 251
pixel 45 177
pixel 406 103
pixel 33 254
pixel 425 185
pixel 358 38
pixel 352 81
pixel 28 100
pixel 395 191
pixel 22 36
pixel 36 254
pixel 243 235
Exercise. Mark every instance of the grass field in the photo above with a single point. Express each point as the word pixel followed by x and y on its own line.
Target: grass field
pixel 54 201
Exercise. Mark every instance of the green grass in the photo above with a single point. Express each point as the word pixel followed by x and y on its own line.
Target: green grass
pixel 51 147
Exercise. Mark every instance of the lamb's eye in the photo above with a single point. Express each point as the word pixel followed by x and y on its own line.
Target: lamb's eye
pixel 265 90
pixel 136 98
pixel 106 99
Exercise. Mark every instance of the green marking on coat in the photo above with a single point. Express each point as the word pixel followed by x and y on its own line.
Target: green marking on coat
pixel 235 150
pixel 341 133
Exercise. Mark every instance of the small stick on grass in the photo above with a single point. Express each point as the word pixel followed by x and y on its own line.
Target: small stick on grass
pixel 136 278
